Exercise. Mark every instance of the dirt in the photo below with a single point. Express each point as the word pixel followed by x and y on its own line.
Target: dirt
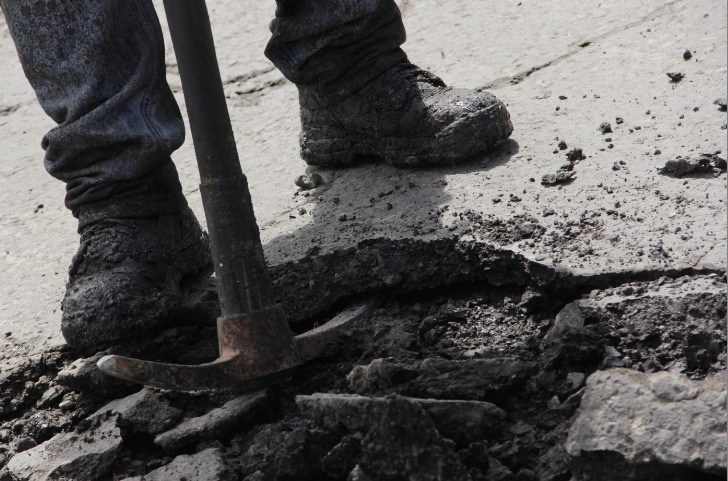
pixel 409 339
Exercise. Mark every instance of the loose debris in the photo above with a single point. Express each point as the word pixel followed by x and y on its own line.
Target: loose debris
pixel 559 177
pixel 309 181
pixel 566 172
pixel 472 383
pixel 676 77
pixel 575 154
pixel 703 163
pixel 722 104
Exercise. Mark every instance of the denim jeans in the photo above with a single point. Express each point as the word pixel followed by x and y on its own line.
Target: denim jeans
pixel 97 67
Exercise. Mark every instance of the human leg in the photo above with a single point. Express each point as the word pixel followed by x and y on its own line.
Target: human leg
pixel 97 67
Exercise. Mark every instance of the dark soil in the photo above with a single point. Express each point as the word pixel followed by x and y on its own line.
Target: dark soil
pixel 470 342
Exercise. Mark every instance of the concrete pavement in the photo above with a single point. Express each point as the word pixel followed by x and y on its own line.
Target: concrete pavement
pixel 562 68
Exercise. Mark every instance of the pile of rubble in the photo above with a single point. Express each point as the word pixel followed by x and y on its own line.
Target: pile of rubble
pixel 467 383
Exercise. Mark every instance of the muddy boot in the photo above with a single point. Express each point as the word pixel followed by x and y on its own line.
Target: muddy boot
pixel 406 117
pixel 360 96
pixel 127 276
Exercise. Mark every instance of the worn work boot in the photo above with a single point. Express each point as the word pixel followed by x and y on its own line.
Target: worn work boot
pixel 406 117
pixel 127 276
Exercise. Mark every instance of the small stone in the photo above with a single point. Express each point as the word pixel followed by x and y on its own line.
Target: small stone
pixel 575 154
pixel 675 77
pixel 547 211
pixel 574 380
pixel 611 351
pixel 49 397
pixel 67 406
pixel 605 127
pixel 206 465
pixel 83 457
pixel 569 319
pixel 521 428
pixel 619 120
pixel 687 54
pixel 722 103
pixel 309 181
pixel 215 424
pixel 559 177
pixel 562 145
pixel 23 444
pixel 143 412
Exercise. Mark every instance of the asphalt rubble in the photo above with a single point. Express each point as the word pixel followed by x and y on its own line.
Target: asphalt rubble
pixel 467 382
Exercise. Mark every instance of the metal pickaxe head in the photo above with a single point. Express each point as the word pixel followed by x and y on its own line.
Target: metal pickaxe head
pixel 256 346
pixel 256 350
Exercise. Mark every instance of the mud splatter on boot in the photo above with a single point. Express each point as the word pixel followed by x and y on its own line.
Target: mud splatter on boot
pixel 406 117
pixel 127 275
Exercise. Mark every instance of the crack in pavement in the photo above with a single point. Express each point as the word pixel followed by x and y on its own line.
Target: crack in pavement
pixel 700 259
pixel 8 109
pixel 249 75
pixel 270 84
pixel 576 47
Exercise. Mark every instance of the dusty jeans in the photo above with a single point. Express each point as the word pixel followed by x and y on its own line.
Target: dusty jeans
pixel 97 67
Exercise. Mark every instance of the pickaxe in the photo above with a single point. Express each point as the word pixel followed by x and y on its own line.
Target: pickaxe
pixel 256 345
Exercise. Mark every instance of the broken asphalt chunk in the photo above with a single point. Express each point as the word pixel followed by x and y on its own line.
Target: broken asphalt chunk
pixel 472 379
pixel 634 425
pixel 142 413
pixel 560 177
pixel 377 425
pixel 85 456
pixel 694 164
pixel 576 154
pixel 219 422
pixel 206 465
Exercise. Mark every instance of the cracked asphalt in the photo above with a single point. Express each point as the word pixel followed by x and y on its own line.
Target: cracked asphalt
pixel 563 69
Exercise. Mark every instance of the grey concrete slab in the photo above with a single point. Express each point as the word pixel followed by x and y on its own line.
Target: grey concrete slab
pixel 608 60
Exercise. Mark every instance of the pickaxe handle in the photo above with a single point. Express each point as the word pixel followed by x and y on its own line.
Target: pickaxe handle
pixel 242 276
